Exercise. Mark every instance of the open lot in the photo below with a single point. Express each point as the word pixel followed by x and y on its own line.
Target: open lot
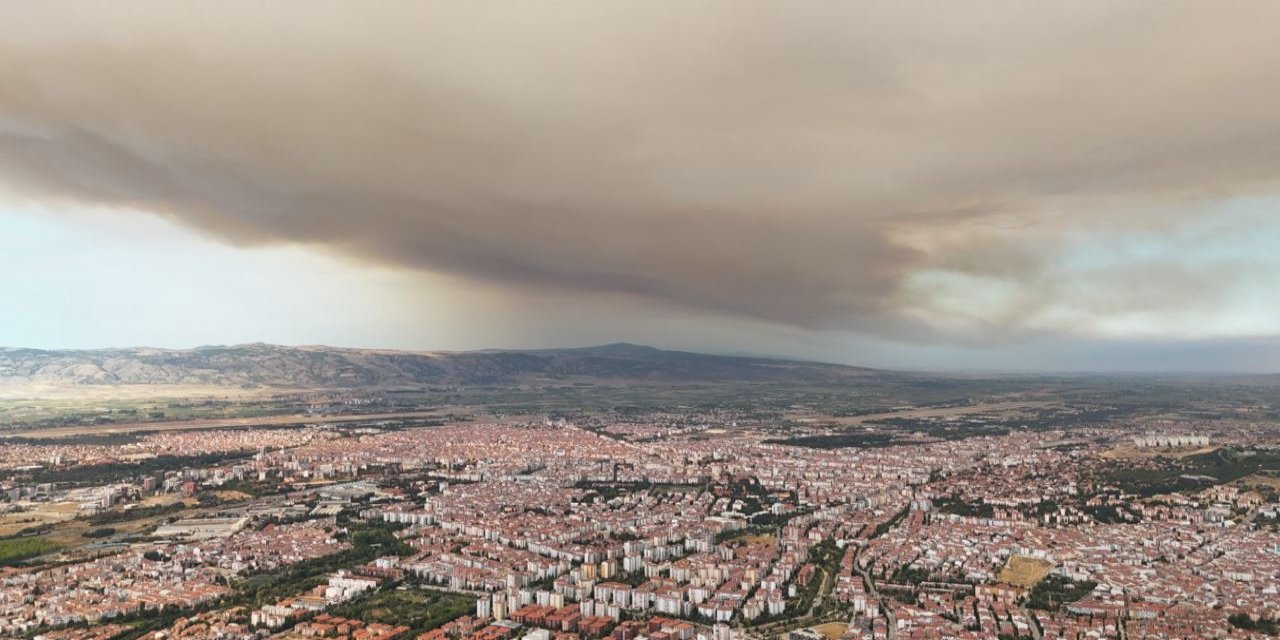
pixel 764 538
pixel 41 514
pixel 831 630
pixel 1024 571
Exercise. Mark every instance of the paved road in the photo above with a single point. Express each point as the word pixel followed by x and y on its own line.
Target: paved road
pixel 871 589
pixel 1035 629
pixel 822 592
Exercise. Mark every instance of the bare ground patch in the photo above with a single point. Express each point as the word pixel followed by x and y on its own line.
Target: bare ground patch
pixel 44 514
pixel 1024 571
pixel 831 630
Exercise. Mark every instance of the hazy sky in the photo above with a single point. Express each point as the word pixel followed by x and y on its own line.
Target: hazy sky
pixel 1014 185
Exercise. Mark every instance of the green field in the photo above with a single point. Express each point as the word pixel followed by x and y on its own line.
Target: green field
pixel 1194 472
pixel 15 550
pixel 1055 591
pixel 415 607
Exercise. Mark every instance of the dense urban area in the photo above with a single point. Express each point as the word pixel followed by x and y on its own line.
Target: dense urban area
pixel 1023 515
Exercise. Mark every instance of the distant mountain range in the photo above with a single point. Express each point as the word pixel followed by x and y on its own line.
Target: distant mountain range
pixel 327 367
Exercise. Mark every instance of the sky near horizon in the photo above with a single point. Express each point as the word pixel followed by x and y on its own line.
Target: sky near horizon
pixel 1022 186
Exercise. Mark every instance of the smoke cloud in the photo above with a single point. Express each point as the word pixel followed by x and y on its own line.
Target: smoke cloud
pixel 925 172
